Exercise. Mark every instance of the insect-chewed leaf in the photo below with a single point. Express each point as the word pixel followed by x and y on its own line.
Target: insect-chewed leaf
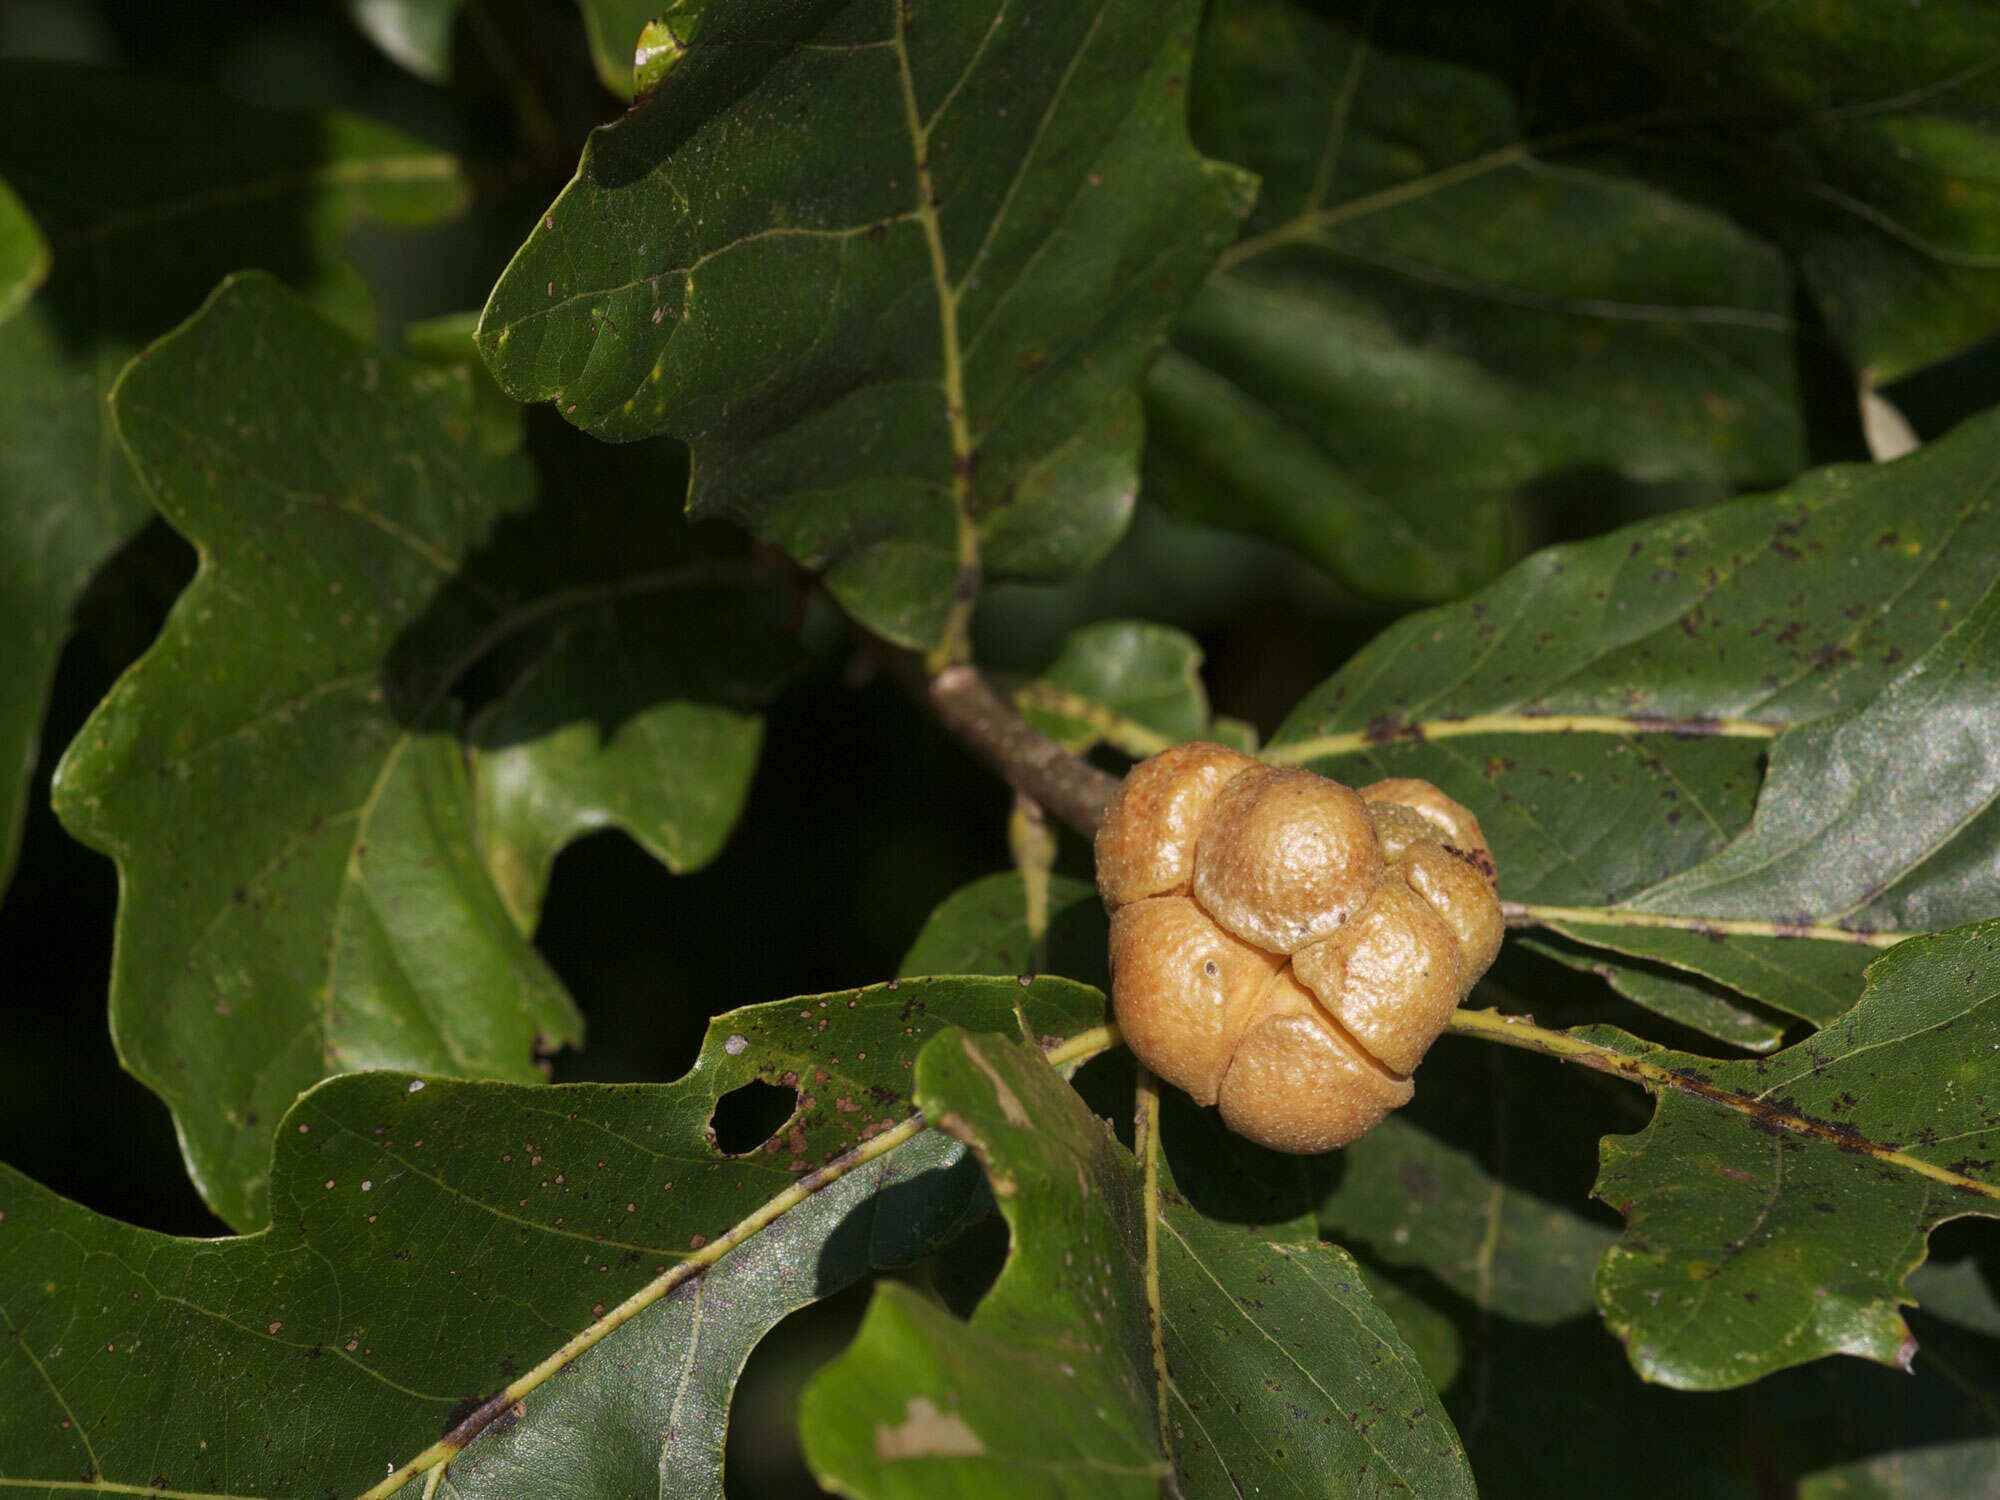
pixel 530 1276
pixel 1275 1359
pixel 1604 709
pixel 314 878
pixel 893 276
pixel 1774 1206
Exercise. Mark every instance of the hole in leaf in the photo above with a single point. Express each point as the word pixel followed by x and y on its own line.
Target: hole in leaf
pixel 747 1117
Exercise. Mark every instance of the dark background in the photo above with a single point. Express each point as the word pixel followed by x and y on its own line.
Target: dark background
pixel 822 887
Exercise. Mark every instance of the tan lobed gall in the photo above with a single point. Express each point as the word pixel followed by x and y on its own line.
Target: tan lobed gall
pixel 1285 947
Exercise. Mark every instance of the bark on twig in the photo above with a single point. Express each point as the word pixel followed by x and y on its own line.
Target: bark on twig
pixel 1066 785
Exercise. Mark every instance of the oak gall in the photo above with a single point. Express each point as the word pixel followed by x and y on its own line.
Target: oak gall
pixel 1285 947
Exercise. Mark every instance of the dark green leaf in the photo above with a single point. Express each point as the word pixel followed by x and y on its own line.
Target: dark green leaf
pixel 1693 1004
pixel 441 1243
pixel 631 719
pixel 983 928
pixel 1123 672
pixel 1861 141
pixel 1049 1390
pixel 1428 318
pixel 24 254
pixel 1280 1371
pixel 1773 1207
pixel 1414 1200
pixel 282 779
pixel 149 193
pixel 1604 708
pixel 895 285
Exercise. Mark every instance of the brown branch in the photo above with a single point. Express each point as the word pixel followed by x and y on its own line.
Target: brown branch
pixel 1034 765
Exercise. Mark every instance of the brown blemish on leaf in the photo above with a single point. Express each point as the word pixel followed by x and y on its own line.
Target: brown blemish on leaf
pixel 926 1432
pixel 1010 1106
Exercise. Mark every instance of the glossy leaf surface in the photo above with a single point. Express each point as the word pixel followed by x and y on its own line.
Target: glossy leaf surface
pixel 893 283
pixel 434 1243
pixel 1773 1207
pixel 1277 1363
pixel 1605 707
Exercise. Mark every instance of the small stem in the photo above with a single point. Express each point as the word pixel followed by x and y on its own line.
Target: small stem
pixel 1034 849
pixel 1033 764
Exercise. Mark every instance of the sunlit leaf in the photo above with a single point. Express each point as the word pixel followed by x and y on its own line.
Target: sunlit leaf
pixel 1605 709
pixel 894 283
pixel 1773 1207
pixel 281 778
pixel 1278 1366
pixel 148 192
pixel 545 1281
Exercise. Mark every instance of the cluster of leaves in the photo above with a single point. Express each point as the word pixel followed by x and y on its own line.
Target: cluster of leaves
pixel 929 303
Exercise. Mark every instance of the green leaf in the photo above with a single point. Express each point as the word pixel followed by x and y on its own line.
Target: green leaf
pixel 1049 1389
pixel 1872 161
pixel 1428 319
pixel 415 33
pixel 24 254
pixel 1946 1472
pixel 1125 682
pixel 637 44
pixel 1958 1293
pixel 281 778
pixel 1604 707
pixel 1774 1206
pixel 1277 1363
pixel 1414 1200
pixel 549 1276
pixel 1692 1003
pixel 894 286
pixel 983 928
pixel 632 720
pixel 149 192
